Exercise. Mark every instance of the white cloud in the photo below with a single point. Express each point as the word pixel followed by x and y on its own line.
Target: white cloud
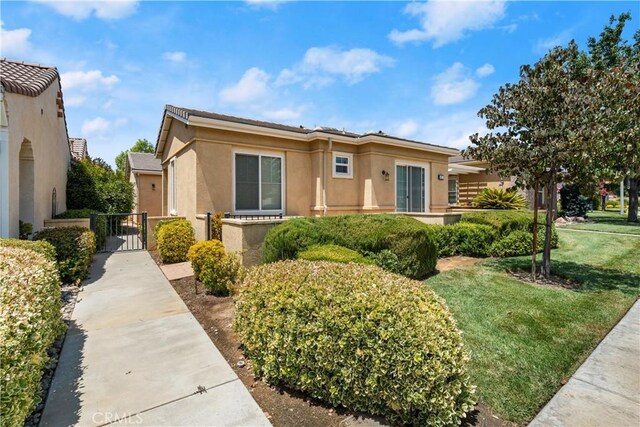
pixel 87 81
pixel 106 10
pixel 265 4
pixel 444 22
pixel 485 70
pixel 321 65
pixel 14 42
pixel 544 45
pixel 174 56
pixel 406 129
pixel 440 130
pixel 74 101
pixel 453 86
pixel 284 114
pixel 95 126
pixel 252 86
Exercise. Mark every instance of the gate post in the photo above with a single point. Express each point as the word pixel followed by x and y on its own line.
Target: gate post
pixel 92 222
pixel 144 230
pixel 208 226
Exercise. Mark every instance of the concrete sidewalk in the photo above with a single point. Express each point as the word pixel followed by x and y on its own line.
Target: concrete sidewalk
pixel 134 354
pixel 605 390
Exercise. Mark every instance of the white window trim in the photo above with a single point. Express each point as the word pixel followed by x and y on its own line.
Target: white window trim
pixel 282 183
pixel 427 184
pixel 457 180
pixel 349 174
pixel 173 193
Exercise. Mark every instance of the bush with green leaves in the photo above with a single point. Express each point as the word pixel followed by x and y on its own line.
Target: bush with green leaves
pixel 40 246
pixel 75 247
pixel 572 202
pixel 216 226
pixel 355 336
pixel 334 253
pixel 463 238
pixel 504 222
pixel 25 229
pixel 407 238
pixel 30 322
pixel 202 251
pixel 100 226
pixel 174 240
pixel 499 198
pixel 519 243
pixel 220 274
pixel 94 185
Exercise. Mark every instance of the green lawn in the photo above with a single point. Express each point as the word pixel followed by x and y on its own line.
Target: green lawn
pixel 525 338
pixel 610 221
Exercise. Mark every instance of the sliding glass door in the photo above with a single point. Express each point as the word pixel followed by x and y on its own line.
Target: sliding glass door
pixel 410 189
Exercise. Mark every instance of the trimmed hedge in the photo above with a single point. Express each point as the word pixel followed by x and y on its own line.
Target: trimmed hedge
pixel 30 322
pixel 408 239
pixel 507 221
pixel 40 246
pixel 174 239
pixel 101 222
pixel 466 239
pixel 217 270
pixel 357 336
pixel 333 253
pixel 74 246
pixel 203 250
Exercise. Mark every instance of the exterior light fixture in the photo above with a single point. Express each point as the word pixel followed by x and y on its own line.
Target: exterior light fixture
pixel 440 177
pixel 153 186
pixel 385 174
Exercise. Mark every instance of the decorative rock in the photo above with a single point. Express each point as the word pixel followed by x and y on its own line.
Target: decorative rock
pixel 561 221
pixel 580 219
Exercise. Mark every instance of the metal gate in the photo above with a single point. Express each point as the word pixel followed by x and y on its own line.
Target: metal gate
pixel 120 232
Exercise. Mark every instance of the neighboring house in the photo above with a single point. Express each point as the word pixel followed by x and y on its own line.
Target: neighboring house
pixel 34 146
pixel 213 162
pixel 145 173
pixel 468 177
pixel 78 148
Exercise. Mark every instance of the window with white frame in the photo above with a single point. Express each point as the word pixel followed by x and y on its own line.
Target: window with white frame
pixel 342 165
pixel 258 182
pixel 173 206
pixel 453 190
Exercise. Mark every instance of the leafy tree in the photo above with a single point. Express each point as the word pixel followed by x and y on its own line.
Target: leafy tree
pixel 94 185
pixel 531 125
pixel 141 146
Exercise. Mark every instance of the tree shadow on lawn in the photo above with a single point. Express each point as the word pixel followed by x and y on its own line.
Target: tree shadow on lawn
pixel 591 279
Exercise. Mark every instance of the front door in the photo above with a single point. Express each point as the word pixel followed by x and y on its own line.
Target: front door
pixel 410 189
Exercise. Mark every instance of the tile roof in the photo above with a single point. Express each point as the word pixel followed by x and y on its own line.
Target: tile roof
pixel 78 147
pixel 26 79
pixel 186 113
pixel 143 161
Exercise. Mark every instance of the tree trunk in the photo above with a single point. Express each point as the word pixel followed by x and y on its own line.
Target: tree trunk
pixel 535 230
pixel 552 195
pixel 634 182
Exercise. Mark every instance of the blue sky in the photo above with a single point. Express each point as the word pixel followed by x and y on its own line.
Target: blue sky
pixel 417 70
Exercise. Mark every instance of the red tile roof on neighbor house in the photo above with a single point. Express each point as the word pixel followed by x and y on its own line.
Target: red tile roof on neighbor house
pixel 26 79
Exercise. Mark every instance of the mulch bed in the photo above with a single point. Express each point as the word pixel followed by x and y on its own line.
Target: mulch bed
pixel 283 407
pixel 553 281
pixel 69 298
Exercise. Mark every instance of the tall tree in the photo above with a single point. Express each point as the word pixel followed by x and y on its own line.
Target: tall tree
pixel 531 125
pixel 141 146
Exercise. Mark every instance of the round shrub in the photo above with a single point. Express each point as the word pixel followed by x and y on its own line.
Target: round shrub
pixel 100 226
pixel 411 241
pixel 203 250
pixel 74 246
pixel 357 336
pixel 30 322
pixel 40 246
pixel 220 274
pixel 333 253
pixel 174 240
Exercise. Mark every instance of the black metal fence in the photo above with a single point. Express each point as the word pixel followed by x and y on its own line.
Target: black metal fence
pixel 120 232
pixel 252 217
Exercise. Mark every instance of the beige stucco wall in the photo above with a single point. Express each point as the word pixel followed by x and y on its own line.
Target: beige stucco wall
pixel 246 237
pixel 147 188
pixel 35 119
pixel 205 173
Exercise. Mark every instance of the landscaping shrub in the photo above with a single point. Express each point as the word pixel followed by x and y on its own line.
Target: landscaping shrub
pixel 499 198
pixel 202 251
pixel 572 202
pixel 357 336
pixel 216 226
pixel 40 246
pixel 161 223
pixel 101 222
pixel 174 240
pixel 464 238
pixel 408 239
pixel 25 229
pixel 333 253
pixel 31 321
pixel 520 243
pixel 220 274
pixel 92 184
pixel 503 221
pixel 74 246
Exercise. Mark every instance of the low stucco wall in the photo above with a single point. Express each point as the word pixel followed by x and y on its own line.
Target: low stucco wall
pixel 152 221
pixel 70 222
pixel 437 218
pixel 246 237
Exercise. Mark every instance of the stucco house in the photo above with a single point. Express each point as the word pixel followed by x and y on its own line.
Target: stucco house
pixel 145 173
pixel 214 162
pixel 34 146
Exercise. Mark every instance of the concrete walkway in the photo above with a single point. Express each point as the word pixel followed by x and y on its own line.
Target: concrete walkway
pixel 605 390
pixel 177 271
pixel 134 354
